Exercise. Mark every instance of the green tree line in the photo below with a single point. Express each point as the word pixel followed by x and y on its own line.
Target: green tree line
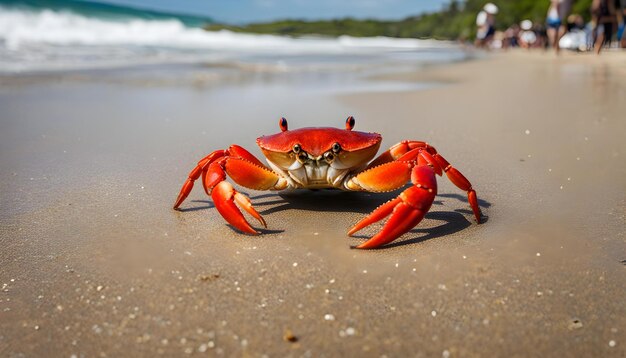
pixel 455 21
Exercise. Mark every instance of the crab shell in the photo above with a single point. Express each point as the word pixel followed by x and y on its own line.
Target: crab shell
pixel 288 149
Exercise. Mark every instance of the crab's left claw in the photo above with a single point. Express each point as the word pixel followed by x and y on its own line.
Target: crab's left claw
pixel 407 210
pixel 224 197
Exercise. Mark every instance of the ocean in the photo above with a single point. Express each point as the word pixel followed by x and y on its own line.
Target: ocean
pixel 45 36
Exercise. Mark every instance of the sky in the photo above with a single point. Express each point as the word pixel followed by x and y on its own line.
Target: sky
pixel 245 11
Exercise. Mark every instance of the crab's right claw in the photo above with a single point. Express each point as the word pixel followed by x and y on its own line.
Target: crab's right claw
pixel 224 197
pixel 407 210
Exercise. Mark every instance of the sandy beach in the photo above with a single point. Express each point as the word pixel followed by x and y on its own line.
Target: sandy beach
pixel 95 263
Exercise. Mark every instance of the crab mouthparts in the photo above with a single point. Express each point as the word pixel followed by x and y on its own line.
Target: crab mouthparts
pixel 308 160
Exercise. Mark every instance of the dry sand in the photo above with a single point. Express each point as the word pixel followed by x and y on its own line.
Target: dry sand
pixel 94 262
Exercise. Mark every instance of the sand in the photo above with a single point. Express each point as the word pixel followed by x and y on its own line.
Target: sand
pixel 94 262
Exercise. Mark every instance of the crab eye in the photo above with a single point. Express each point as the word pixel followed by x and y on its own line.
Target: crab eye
pixel 297 148
pixel 350 123
pixel 336 148
pixel 282 123
pixel 328 156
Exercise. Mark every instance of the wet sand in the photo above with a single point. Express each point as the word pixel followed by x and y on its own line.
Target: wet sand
pixel 94 262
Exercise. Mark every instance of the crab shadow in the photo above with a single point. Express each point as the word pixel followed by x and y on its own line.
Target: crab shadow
pixel 205 204
pixel 357 202
pixel 463 198
pixel 453 222
pixel 320 200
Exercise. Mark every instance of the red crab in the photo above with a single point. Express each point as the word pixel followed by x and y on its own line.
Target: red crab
pixel 314 158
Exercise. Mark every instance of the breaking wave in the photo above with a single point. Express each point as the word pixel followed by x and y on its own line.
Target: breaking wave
pixel 44 38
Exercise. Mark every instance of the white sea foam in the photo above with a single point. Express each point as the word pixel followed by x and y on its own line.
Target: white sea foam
pixel 18 27
pixel 45 39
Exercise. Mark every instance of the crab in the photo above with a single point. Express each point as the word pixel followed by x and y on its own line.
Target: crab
pixel 330 158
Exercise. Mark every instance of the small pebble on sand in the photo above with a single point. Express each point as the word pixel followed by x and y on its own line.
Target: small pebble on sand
pixel 329 317
pixel 575 323
pixel 288 336
pixel 210 277
pixel 612 343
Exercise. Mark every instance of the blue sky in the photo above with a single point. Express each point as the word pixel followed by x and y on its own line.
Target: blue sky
pixel 241 11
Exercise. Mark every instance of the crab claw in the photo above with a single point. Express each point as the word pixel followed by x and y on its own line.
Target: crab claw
pixel 407 210
pixel 224 197
pixel 195 174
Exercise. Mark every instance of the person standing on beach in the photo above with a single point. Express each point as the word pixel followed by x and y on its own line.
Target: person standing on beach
pixel 554 24
pixel 485 22
pixel 556 28
pixel 621 23
pixel 603 17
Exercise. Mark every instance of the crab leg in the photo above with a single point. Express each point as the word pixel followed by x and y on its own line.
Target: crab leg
pixel 195 174
pixel 462 183
pixel 425 154
pixel 397 151
pixel 245 170
pixel 407 210
pixel 204 168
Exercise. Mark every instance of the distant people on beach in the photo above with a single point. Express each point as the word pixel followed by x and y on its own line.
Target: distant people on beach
pixel 578 34
pixel 560 29
pixel 621 22
pixel 575 22
pixel 604 19
pixel 511 37
pixel 557 11
pixel 527 37
pixel 542 35
pixel 485 23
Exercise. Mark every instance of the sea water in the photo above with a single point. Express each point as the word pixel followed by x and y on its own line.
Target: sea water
pixel 66 36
